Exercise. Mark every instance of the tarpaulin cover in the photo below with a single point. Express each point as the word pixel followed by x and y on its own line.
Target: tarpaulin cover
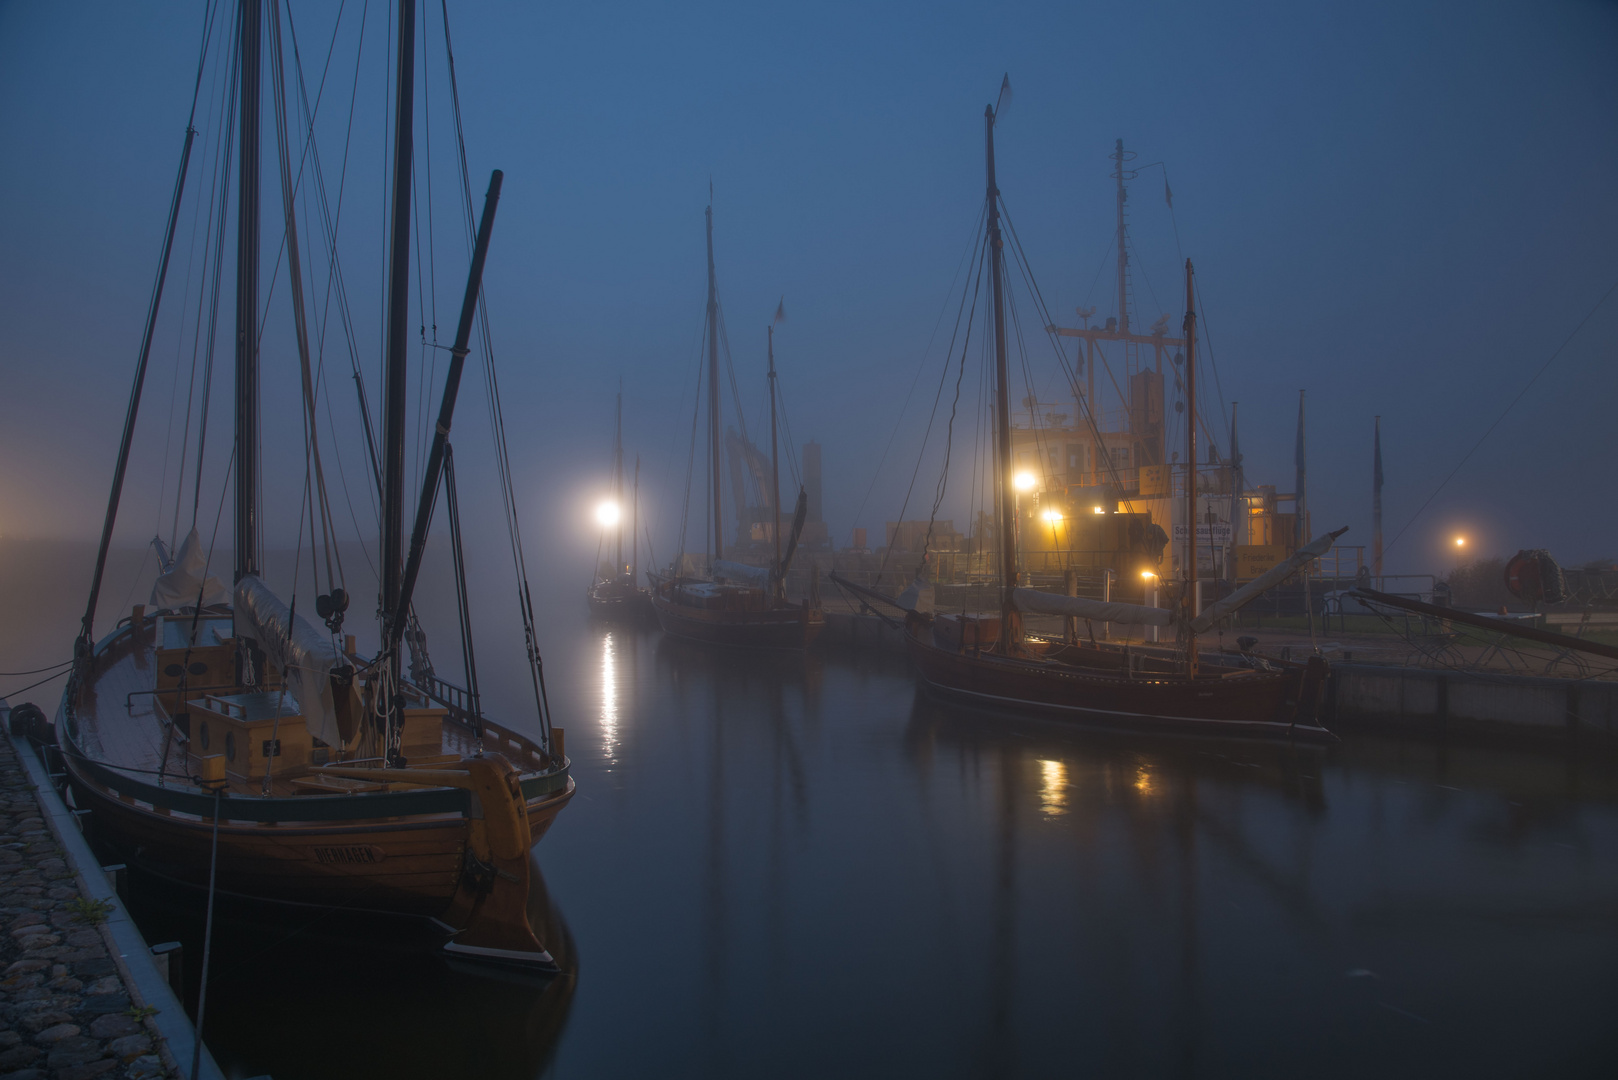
pixel 918 597
pixel 757 576
pixel 180 586
pixel 304 653
pixel 1079 607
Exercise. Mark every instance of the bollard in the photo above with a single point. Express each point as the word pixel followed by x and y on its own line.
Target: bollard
pixel 558 743
pixel 169 957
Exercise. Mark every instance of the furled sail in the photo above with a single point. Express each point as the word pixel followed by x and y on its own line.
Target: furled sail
pixel 1079 607
pixel 917 597
pixel 756 576
pixel 1264 582
pixel 291 644
pixel 799 516
pixel 186 579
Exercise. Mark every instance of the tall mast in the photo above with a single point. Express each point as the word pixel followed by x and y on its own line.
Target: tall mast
pixel 1376 508
pixel 618 481
pixel 393 418
pixel 247 230
pixel 775 463
pixel 713 396
pixel 1190 336
pixel 1123 248
pixel 634 527
pixel 1002 415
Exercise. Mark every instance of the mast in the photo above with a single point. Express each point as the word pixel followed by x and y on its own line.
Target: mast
pixel 393 411
pixel 1123 249
pixel 247 234
pixel 634 528
pixel 618 480
pixel 1376 508
pixel 775 463
pixel 1002 414
pixel 713 395
pixel 1190 335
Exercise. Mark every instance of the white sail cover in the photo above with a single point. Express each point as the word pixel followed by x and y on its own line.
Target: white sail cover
pixel 306 655
pixel 1265 581
pixel 918 597
pixel 1079 607
pixel 756 576
pixel 185 579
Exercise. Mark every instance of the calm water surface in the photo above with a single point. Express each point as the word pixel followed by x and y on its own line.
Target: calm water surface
pixel 793 866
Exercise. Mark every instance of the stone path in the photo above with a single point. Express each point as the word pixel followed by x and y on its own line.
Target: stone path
pixel 65 1013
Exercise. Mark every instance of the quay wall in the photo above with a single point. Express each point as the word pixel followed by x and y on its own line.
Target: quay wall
pixel 1431 702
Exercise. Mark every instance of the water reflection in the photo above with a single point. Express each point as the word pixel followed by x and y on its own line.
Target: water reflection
pixel 1053 787
pixel 609 699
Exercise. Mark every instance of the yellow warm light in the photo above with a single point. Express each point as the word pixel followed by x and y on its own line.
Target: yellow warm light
pixel 1147 574
pixel 1024 481
pixel 1053 788
pixel 1100 509
pixel 1052 515
pixel 607 514
pixel 1460 541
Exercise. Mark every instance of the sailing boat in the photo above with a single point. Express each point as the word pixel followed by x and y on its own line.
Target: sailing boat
pixel 615 595
pixel 739 604
pixel 989 660
pixel 220 740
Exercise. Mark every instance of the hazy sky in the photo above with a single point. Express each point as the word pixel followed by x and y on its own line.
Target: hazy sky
pixel 1402 208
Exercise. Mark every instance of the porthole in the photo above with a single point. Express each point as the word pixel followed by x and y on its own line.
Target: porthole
pixel 173 671
pixel 199 668
pixel 202 734
pixel 230 746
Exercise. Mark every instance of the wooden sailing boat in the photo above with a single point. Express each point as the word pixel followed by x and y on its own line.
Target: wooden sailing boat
pixel 738 604
pixel 989 660
pixel 223 741
pixel 616 595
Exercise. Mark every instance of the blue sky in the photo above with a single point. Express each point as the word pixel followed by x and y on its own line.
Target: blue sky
pixel 1402 208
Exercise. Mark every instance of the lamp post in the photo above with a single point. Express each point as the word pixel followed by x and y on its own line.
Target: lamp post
pixel 1151 600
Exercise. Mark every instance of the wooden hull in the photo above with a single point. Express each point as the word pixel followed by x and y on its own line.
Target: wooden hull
pixel 1251 704
pixel 450 845
pixel 770 628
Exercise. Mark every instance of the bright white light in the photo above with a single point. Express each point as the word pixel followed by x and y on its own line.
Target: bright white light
pixel 1460 541
pixel 1147 574
pixel 1052 515
pixel 1101 510
pixel 607 514
pixel 1025 481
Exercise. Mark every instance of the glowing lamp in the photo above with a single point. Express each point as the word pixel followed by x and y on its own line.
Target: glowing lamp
pixel 607 514
pixel 1147 575
pixel 1052 515
pixel 1100 509
pixel 1024 481
pixel 1460 541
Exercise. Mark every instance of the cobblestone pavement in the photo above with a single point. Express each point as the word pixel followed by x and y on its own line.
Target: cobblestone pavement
pixel 65 1013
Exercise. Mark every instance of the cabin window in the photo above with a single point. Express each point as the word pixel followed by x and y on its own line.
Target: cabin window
pixel 1120 457
pixel 202 735
pixel 1075 457
pixel 230 746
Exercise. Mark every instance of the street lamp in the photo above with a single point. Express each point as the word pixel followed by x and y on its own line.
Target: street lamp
pixel 1151 600
pixel 607 514
pixel 1024 481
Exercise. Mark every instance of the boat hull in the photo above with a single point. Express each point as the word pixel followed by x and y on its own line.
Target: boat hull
pixel 631 606
pixel 772 628
pixel 1280 704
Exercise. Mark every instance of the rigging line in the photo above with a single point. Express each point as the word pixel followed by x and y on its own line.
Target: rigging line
pixel 691 453
pixel 1509 406
pixel 970 312
pixel 1020 258
pixel 214 240
pixel 1219 388
pixel 35 671
pixel 921 364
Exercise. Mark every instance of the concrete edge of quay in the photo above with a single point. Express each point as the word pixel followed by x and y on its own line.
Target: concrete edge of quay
pixel 130 953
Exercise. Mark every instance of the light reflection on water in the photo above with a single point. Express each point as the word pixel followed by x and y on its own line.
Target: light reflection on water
pixel 609 700
pixel 800 867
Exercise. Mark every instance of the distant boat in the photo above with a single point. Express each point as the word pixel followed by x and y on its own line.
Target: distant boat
pixel 738 604
pixel 223 721
pixel 617 596
pixel 988 660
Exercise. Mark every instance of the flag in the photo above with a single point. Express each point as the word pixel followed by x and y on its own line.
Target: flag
pixel 1003 102
pixel 1301 505
pixel 1168 195
pixel 780 313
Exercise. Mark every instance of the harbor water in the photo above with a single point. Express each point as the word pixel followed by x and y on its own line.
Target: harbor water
pixel 794 865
